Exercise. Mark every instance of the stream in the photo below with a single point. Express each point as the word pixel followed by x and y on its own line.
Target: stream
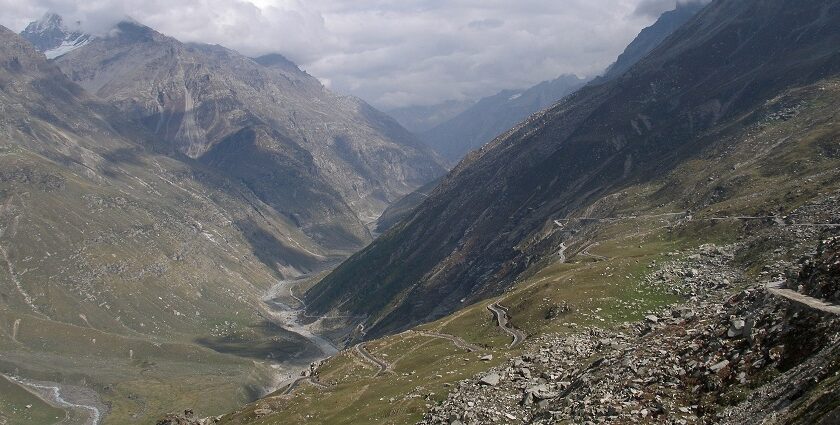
pixel 54 396
pixel 277 300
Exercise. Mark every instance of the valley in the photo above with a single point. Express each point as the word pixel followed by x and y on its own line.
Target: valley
pixel 143 275
pixel 190 235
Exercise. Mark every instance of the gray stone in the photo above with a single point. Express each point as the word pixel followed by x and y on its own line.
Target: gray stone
pixel 491 379
pixel 718 366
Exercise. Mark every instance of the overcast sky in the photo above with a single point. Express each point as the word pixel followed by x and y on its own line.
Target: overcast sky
pixel 390 53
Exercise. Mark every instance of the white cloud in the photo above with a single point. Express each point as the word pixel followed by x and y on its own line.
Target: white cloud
pixel 392 53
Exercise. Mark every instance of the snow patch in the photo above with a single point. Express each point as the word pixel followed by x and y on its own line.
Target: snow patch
pixel 67 46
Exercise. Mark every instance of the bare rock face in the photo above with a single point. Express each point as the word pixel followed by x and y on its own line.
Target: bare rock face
pixel 329 163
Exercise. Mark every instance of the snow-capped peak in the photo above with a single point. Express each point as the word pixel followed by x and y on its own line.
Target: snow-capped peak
pixel 53 37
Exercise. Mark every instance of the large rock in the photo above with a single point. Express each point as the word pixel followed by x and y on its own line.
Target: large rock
pixel 491 379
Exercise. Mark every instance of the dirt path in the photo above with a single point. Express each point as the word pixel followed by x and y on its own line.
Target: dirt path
pixel 586 252
pixel 308 379
pixel 502 320
pixel 458 341
pixel 778 289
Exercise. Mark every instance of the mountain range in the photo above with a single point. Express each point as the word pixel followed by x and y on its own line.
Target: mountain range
pixel 329 163
pixel 187 229
pixel 474 126
pixel 419 119
pixel 491 116
pixel 490 218
pixel 154 192
pixel 657 247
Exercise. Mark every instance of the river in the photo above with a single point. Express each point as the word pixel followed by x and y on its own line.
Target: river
pixel 53 393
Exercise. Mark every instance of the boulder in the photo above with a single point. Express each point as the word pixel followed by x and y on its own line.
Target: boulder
pixel 491 379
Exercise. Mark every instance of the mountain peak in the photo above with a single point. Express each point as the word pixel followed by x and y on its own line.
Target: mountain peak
pixel 652 36
pixel 52 36
pixel 50 21
pixel 130 30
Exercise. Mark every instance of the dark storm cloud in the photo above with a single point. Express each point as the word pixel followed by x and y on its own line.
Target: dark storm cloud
pixel 392 53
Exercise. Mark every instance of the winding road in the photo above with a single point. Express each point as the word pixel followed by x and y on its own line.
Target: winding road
pixel 503 320
pixel 458 341
pixel 365 354
pixel 562 252
pixel 296 383
pixel 777 288
pixel 586 252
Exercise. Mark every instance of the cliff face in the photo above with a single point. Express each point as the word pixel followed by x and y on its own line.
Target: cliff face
pixel 484 224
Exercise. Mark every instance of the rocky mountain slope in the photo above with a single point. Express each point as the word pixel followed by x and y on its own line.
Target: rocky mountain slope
pixel 130 280
pixel 490 218
pixel 722 358
pixel 492 116
pixel 330 164
pixel 645 313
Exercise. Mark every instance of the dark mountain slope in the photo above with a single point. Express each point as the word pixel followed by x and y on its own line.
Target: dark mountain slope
pixel 483 225
pixel 491 116
pixel 651 37
pixel 331 164
pixel 493 111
